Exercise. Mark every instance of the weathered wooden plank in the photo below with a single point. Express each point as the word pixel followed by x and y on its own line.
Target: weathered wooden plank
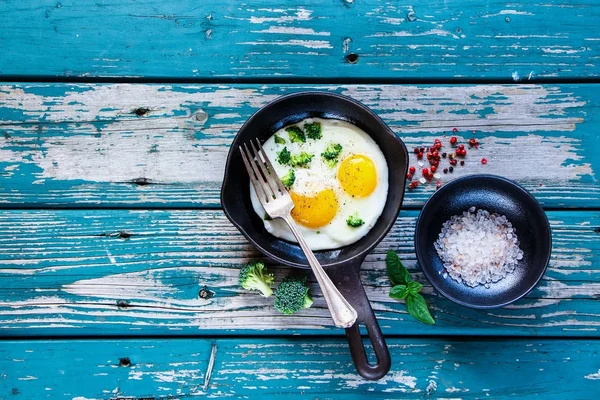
pixel 297 368
pixel 439 39
pixel 140 272
pixel 165 145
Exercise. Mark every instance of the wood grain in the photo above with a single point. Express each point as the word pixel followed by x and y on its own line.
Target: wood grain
pixel 297 368
pixel 140 146
pixel 138 169
pixel 119 272
pixel 267 40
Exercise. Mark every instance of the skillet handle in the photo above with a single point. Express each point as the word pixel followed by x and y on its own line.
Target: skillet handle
pixel 347 280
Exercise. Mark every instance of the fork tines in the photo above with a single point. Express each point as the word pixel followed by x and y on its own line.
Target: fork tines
pixel 266 183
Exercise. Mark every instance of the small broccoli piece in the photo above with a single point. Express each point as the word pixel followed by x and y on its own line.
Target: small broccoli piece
pixel 254 276
pixel 331 154
pixel 296 134
pixel 279 139
pixel 288 179
pixel 292 295
pixel 332 151
pixel 301 160
pixel 354 221
pixel 331 163
pixel 283 156
pixel 313 131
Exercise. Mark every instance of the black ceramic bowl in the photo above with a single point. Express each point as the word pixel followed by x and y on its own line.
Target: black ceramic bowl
pixel 495 194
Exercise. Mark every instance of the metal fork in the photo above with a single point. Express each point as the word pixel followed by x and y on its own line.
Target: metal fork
pixel 277 202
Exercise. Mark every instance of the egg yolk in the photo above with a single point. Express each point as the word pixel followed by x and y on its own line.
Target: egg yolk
pixel 357 175
pixel 315 211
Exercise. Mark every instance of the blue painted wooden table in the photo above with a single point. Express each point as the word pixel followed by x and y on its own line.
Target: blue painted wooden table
pixel 115 121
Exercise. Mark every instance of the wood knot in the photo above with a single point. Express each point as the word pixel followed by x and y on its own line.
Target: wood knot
pixel 597 229
pixel 123 304
pixel 124 362
pixel 119 234
pixel 141 181
pixel 352 58
pixel 205 294
pixel 141 111
pixel 201 116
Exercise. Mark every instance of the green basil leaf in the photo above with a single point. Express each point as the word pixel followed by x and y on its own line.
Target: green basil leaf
pixel 414 287
pixel 399 292
pixel 417 307
pixel 396 272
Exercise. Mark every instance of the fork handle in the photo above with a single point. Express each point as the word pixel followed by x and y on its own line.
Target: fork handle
pixel 342 313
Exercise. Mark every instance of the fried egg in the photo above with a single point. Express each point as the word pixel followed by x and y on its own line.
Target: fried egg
pixel 344 183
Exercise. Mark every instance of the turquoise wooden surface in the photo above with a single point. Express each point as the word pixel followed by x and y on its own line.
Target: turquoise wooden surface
pixel 269 40
pixel 72 145
pixel 297 369
pixel 72 273
pixel 110 222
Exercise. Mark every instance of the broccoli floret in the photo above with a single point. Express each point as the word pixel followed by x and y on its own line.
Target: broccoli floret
pixel 313 131
pixel 292 295
pixel 296 134
pixel 331 163
pixel 354 221
pixel 301 160
pixel 254 276
pixel 332 151
pixel 288 179
pixel 283 156
pixel 331 154
pixel 279 139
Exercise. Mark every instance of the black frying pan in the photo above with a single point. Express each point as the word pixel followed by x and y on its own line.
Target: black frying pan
pixel 342 265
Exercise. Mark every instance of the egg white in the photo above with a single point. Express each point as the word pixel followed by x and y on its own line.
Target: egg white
pixel 319 176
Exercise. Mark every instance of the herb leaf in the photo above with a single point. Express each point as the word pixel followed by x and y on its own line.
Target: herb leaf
pixel 404 288
pixel 417 307
pixel 399 292
pixel 414 287
pixel 396 272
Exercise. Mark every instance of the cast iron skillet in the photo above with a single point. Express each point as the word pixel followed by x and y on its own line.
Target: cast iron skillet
pixel 343 264
pixel 495 194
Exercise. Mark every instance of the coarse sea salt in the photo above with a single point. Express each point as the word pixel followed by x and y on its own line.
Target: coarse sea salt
pixel 478 247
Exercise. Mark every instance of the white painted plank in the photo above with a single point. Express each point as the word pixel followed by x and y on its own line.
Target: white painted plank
pixel 81 144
